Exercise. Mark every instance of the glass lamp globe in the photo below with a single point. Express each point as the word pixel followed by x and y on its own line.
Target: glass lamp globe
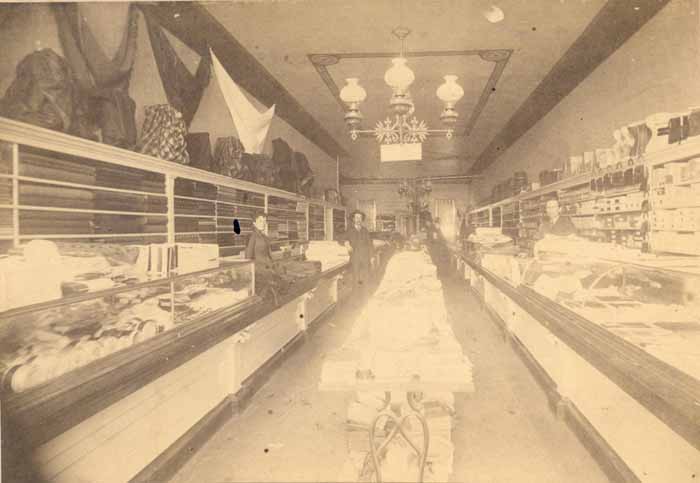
pixel 450 92
pixel 399 77
pixel 353 93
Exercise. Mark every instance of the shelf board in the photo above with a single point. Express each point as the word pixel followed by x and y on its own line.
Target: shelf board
pixel 676 152
pixel 688 183
pixel 85 186
pixel 91 235
pixel 607 213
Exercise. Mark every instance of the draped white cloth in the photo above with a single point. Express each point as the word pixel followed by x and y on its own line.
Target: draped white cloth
pixel 251 125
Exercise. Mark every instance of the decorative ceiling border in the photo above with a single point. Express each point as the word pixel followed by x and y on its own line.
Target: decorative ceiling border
pixel 499 57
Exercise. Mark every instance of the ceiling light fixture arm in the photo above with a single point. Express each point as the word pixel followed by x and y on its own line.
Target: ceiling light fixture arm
pixel 401 129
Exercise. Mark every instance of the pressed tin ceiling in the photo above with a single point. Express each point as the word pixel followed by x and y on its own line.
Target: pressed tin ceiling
pixel 499 64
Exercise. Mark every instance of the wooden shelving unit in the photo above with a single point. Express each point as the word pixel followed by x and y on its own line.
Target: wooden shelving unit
pixel 63 188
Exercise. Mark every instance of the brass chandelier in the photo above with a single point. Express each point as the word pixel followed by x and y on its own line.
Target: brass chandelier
pixel 402 128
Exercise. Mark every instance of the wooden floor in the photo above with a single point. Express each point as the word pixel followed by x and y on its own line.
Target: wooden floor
pixel 505 431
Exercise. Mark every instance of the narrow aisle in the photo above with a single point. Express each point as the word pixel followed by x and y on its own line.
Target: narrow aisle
pixel 291 432
pixel 505 431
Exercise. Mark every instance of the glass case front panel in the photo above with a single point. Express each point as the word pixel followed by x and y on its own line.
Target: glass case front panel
pixel 41 344
pixel 655 309
pixel 198 295
pixel 44 341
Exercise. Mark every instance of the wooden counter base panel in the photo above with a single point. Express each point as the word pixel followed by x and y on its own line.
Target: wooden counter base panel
pixel 176 456
pixel 606 457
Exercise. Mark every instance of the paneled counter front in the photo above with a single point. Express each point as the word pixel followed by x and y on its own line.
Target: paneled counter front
pixel 128 317
pixel 612 336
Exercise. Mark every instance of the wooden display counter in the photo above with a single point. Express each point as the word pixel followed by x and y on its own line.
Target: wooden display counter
pixel 137 419
pixel 637 415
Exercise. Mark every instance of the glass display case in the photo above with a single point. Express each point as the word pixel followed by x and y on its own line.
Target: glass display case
pixel 45 340
pixel 653 302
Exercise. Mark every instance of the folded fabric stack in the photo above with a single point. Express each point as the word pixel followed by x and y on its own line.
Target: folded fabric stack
pixel 489 237
pixel 195 189
pixel 36 194
pixel 185 206
pixel 6 222
pixel 5 191
pixel 403 336
pixel 46 165
pixel 232 195
pixel 36 222
pixel 113 201
pixel 129 179
pixel 188 225
pixel 329 253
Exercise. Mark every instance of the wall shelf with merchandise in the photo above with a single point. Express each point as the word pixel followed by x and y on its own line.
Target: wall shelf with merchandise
pixel 101 225
pixel 656 198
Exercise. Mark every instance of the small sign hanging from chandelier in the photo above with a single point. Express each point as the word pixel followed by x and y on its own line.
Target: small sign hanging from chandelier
pixel 403 131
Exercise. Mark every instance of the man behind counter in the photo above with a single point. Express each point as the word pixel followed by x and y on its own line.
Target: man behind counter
pixel 555 224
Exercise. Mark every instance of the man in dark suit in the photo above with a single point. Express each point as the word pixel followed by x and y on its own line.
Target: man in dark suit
pixel 359 244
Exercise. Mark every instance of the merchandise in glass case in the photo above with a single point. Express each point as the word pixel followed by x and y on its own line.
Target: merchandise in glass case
pixel 653 302
pixel 42 342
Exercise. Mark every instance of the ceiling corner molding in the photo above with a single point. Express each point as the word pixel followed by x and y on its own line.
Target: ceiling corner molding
pixel 616 22
pixel 202 30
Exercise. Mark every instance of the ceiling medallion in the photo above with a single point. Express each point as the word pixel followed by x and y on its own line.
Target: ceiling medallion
pixel 402 129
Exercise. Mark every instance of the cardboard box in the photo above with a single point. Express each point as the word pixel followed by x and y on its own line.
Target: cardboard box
pixel 193 257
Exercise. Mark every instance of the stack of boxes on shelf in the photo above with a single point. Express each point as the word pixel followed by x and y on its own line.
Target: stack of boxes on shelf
pixel 675 201
pixel 617 207
pixel 317 229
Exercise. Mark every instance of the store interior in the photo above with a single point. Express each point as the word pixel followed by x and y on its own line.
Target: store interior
pixel 395 240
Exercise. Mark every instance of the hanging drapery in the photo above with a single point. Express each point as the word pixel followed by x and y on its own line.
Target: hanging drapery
pixel 252 126
pixel 184 90
pixel 105 81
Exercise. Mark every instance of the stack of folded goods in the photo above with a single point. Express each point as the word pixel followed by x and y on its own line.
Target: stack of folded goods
pixel 190 225
pixel 121 177
pixel 114 201
pixel 5 223
pixel 489 237
pixel 195 189
pixel 105 224
pixel 5 191
pixel 330 253
pixel 186 206
pixel 403 336
pixel 37 222
pixel 232 195
pixel 40 194
pixel 47 165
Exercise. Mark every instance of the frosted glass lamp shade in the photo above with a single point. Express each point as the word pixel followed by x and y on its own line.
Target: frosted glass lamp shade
pixel 399 77
pixel 352 92
pixel 450 92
